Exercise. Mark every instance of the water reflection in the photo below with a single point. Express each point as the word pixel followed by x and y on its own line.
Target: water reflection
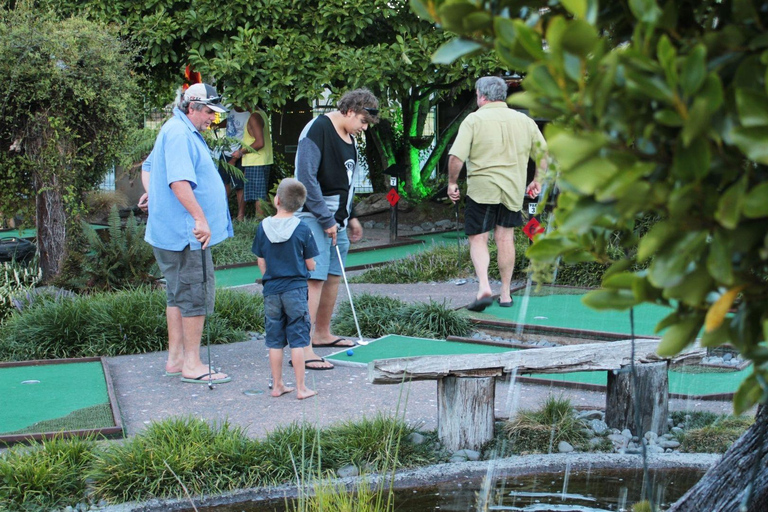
pixel 572 491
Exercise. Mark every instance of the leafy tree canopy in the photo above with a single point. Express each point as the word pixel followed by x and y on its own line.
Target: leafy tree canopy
pixel 273 51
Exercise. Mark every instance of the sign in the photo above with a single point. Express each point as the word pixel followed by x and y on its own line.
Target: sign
pixel 532 208
pixel 533 228
pixel 393 197
pixel 393 181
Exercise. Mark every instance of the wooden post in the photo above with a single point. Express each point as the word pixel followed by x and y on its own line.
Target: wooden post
pixel 465 415
pixel 651 396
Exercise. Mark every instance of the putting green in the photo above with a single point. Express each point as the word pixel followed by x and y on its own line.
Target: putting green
pixel 706 382
pixel 249 274
pixel 562 308
pixel 392 345
pixel 51 391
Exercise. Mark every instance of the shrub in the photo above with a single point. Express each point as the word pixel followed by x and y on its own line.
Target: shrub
pixel 45 476
pixel 118 323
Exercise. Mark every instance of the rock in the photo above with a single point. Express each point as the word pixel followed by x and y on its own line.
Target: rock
pixel 727 356
pixel 445 224
pixel 595 441
pixel 416 438
pixel 348 471
pixel 467 454
pixel 626 433
pixel 380 225
pixel 428 226
pixel 369 224
pixel 564 447
pixel 654 449
pixel 651 437
pixel 669 443
pixel 417 229
pixel 590 415
pixel 618 440
pixel 457 458
pixel 599 426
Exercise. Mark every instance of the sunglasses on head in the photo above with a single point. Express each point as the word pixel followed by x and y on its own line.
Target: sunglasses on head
pixel 372 111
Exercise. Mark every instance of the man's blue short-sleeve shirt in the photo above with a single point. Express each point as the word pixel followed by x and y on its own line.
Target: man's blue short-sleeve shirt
pixel 181 154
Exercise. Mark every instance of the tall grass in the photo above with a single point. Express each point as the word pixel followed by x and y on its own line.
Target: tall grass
pixel 205 458
pixel 118 323
pixel 539 431
pixel 45 476
pixel 441 262
pixel 379 315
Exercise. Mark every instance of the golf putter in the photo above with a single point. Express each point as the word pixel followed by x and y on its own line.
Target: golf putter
pixel 361 341
pixel 208 335
pixel 458 236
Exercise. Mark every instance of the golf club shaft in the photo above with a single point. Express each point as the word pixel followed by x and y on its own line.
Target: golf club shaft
pixel 349 294
pixel 208 335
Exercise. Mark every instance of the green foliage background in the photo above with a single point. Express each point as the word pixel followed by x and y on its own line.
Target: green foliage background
pixel 658 108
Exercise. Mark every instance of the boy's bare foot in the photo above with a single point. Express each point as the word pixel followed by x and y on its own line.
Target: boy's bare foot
pixel 307 393
pixel 280 391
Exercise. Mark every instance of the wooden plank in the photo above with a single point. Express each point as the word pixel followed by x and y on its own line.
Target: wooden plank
pixel 566 359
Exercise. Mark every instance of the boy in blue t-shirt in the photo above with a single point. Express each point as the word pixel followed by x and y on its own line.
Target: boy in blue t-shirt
pixel 286 251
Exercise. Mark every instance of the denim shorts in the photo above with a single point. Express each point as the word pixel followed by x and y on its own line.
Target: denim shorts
pixel 185 287
pixel 287 319
pixel 327 261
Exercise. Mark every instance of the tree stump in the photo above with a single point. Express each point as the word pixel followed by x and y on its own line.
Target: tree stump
pixel 465 415
pixel 651 397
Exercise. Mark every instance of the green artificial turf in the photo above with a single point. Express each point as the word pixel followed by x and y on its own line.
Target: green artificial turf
pixel 62 389
pixel 393 345
pixel 249 274
pixel 562 308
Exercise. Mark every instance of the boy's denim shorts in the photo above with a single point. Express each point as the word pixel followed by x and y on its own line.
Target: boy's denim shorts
pixel 287 319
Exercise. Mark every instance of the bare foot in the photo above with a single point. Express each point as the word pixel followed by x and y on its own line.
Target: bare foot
pixel 280 391
pixel 307 393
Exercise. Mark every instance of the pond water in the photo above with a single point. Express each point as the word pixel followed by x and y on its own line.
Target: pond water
pixel 569 491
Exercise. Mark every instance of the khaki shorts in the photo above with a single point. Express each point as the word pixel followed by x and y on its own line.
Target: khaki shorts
pixel 186 287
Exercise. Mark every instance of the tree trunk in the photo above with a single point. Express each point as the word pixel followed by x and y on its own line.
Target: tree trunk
pixel 51 226
pixel 465 416
pixel 650 395
pixel 725 485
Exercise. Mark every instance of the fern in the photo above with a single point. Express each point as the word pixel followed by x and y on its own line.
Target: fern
pixel 120 260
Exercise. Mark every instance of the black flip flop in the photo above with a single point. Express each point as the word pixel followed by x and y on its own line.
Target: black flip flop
pixel 321 360
pixel 480 304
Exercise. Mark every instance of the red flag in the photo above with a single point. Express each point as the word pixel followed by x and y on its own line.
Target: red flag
pixel 533 228
pixel 393 197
